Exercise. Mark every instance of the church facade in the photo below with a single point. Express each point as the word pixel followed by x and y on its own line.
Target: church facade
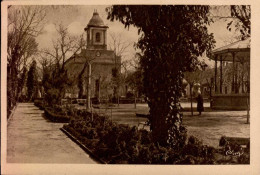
pixel 95 64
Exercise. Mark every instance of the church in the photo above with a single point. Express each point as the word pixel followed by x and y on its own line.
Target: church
pixel 93 68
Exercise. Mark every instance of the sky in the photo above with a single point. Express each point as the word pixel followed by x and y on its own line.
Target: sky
pixel 77 17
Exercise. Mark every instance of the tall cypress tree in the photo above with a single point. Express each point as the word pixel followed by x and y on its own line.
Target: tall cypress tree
pixel 31 81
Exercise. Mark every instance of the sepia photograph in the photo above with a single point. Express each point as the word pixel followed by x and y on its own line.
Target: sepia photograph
pixel 126 84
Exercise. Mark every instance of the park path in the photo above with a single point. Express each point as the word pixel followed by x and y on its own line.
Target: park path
pixel 32 139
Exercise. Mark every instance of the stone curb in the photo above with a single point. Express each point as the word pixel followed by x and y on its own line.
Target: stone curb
pixel 87 150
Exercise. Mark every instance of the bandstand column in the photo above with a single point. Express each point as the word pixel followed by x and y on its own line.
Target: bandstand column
pixel 221 74
pixel 216 73
pixel 233 75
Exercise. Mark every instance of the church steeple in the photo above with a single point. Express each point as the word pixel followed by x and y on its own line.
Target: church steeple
pixel 96 33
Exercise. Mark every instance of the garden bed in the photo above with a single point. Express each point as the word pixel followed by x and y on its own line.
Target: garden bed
pixel 55 116
pixel 112 143
pixel 79 142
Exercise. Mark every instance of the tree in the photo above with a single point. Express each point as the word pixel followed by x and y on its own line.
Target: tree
pixel 238 18
pixel 172 38
pixel 192 78
pixel 135 77
pixel 32 81
pixel 241 71
pixel 81 80
pixel 24 24
pixel 21 83
pixel 64 47
pixel 202 74
pixel 243 14
pixel 120 47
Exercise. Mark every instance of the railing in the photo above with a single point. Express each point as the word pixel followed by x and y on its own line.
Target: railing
pixel 230 101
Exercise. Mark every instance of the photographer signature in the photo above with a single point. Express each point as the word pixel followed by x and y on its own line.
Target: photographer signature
pixel 233 153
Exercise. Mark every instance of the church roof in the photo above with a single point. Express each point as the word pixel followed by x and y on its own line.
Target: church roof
pixel 96 21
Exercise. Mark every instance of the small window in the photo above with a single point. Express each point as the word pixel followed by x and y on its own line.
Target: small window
pixel 98 37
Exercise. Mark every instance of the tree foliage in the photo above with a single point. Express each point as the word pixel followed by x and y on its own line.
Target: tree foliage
pixel 21 83
pixel 238 18
pixel 120 47
pixel 32 81
pixel 172 38
pixel 241 78
pixel 81 80
pixel 243 14
pixel 134 79
pixel 24 24
pixel 56 79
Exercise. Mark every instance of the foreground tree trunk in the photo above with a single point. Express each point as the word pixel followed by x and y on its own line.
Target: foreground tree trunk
pixel 164 104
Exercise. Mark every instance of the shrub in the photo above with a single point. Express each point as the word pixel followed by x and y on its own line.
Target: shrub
pixel 117 143
pixel 52 96
pixel 55 115
pixel 39 104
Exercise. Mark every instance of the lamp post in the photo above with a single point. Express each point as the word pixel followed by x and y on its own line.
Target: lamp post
pixel 89 86
pixel 89 60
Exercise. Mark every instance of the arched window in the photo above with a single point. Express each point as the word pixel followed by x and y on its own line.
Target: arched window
pixel 98 37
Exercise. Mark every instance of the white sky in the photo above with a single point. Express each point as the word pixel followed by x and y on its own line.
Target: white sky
pixel 77 18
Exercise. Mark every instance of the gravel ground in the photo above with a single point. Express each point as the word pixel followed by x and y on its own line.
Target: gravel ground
pixel 209 127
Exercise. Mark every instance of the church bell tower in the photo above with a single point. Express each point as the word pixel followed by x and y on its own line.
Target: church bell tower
pixel 96 33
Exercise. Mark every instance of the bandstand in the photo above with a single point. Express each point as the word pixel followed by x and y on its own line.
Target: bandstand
pixel 234 95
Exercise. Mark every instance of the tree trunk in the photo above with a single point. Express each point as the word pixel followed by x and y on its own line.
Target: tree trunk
pixel 248 108
pixel 191 95
pixel 165 115
pixel 135 100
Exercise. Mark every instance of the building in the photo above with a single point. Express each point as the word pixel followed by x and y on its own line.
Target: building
pixel 94 65
pixel 232 76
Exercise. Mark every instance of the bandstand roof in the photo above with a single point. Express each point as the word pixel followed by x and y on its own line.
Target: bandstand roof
pixel 239 49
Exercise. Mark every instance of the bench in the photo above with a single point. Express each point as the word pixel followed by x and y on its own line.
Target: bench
pixel 143 115
pixel 234 140
pixel 234 146
pixel 146 123
pixel 81 101
pixel 96 106
pixel 64 101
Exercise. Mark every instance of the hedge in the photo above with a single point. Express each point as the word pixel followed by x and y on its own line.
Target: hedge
pixel 54 116
pixel 55 113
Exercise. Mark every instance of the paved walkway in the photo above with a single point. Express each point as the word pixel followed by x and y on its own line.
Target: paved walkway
pixel 32 139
